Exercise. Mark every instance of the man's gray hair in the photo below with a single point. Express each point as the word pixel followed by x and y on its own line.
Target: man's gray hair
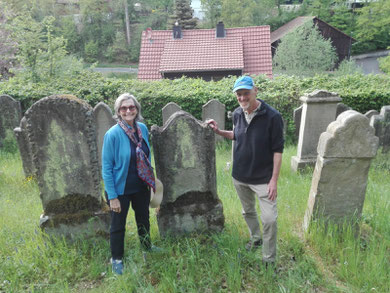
pixel 125 97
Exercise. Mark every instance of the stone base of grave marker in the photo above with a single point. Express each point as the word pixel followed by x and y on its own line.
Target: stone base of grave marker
pixel 298 164
pixel 76 216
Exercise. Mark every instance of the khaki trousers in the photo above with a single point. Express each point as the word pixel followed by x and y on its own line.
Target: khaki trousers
pixel 269 214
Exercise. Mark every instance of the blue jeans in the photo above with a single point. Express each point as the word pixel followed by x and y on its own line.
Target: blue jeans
pixel 140 204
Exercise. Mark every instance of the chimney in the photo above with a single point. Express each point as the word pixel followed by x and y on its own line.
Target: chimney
pixel 220 31
pixel 176 31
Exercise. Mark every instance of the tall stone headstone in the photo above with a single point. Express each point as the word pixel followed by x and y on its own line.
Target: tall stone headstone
pixel 184 152
pixel 214 109
pixel 104 120
pixel 62 135
pixel 319 109
pixel 168 110
pixel 381 123
pixel 10 115
pixel 25 148
pixel 339 181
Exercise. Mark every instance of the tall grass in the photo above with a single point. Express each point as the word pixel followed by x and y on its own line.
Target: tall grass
pixel 320 261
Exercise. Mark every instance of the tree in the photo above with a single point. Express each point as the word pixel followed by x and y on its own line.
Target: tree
pixel 304 52
pixel 373 23
pixel 239 13
pixel 183 15
pixel 212 10
pixel 7 45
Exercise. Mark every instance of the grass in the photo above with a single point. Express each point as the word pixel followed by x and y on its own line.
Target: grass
pixel 320 261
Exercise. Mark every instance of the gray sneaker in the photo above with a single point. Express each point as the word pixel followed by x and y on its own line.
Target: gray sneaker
pixel 117 266
pixel 253 245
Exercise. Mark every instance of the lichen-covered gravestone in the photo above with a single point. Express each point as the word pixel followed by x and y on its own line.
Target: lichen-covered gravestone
pixel 10 115
pixel 214 109
pixel 103 121
pixel 25 148
pixel 168 110
pixel 339 181
pixel 381 123
pixel 319 109
pixel 184 152
pixel 62 135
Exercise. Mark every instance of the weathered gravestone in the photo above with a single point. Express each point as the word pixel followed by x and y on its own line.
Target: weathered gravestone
pixel 371 113
pixel 25 148
pixel 62 135
pixel 184 152
pixel 381 123
pixel 339 181
pixel 10 115
pixel 319 109
pixel 103 121
pixel 168 110
pixel 214 109
pixel 297 115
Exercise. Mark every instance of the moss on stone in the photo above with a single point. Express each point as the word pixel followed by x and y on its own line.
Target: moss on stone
pixel 71 204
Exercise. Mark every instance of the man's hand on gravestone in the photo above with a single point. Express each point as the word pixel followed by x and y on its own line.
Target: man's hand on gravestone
pixel 213 124
pixel 115 205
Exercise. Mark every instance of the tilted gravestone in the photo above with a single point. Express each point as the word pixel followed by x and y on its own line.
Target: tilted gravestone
pixel 339 181
pixel 341 108
pixel 319 109
pixel 62 135
pixel 381 123
pixel 104 120
pixel 214 109
pixel 10 115
pixel 25 148
pixel 184 152
pixel 168 110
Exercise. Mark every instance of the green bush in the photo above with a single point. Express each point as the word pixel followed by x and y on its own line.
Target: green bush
pixel 362 93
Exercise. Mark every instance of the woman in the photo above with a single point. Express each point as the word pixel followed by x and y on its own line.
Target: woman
pixel 127 176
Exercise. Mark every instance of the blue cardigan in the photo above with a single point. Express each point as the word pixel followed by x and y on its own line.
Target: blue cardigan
pixel 116 155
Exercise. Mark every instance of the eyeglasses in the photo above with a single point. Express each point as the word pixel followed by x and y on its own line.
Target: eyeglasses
pixel 124 109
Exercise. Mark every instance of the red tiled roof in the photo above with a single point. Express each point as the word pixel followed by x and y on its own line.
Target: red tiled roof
pixel 158 47
pixel 183 55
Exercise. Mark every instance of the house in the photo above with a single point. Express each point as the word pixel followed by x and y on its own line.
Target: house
pixel 210 54
pixel 340 40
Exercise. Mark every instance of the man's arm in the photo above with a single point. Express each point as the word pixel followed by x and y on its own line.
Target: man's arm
pixel 273 183
pixel 225 133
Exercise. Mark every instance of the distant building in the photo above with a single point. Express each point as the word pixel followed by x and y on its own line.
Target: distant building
pixel 340 40
pixel 210 54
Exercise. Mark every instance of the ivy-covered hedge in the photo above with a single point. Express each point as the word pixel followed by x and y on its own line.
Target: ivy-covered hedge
pixel 361 92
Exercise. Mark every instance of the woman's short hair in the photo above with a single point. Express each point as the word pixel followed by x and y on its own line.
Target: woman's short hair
pixel 125 97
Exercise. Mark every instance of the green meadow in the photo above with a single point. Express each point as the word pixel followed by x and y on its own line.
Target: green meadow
pixel 319 261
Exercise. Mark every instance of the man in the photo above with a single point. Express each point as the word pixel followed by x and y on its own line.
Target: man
pixel 257 158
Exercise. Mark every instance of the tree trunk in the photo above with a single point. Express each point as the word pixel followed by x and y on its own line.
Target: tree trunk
pixel 127 22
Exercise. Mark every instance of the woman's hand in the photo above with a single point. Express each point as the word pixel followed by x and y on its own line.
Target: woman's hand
pixel 115 205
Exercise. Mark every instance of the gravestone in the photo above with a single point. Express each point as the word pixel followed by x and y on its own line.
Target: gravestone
pixel 168 110
pixel 61 131
pixel 318 110
pixel 25 148
pixel 341 108
pixel 371 113
pixel 297 115
pixel 214 109
pixel 381 123
pixel 104 120
pixel 339 181
pixel 184 152
pixel 10 115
